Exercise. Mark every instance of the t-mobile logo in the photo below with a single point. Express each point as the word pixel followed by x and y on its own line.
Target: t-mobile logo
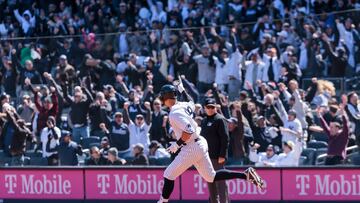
pixel 103 183
pixel 10 183
pixel 199 184
pixel 302 183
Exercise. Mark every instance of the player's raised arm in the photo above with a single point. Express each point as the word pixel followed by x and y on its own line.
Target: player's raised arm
pixel 180 87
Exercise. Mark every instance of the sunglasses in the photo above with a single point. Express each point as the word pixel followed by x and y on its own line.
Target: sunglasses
pixel 140 118
pixel 210 107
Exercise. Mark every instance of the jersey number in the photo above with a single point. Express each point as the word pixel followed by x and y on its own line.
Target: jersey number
pixel 189 111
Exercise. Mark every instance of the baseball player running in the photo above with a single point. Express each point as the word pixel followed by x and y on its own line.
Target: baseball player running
pixel 194 148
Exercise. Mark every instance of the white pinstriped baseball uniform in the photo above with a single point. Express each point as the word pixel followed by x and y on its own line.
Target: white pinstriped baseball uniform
pixel 193 153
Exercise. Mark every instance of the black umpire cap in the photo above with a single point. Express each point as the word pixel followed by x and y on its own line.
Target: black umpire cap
pixel 210 102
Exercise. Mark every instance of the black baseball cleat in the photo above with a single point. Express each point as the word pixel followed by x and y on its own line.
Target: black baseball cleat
pixel 254 177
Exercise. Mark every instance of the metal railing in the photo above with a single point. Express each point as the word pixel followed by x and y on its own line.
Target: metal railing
pixel 339 83
pixel 320 160
pixel 342 85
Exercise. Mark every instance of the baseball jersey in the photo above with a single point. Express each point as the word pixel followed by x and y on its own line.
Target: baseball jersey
pixel 181 119
pixel 294 125
pixel 206 72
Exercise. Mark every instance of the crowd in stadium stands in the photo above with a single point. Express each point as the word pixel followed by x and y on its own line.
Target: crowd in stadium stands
pixel 80 79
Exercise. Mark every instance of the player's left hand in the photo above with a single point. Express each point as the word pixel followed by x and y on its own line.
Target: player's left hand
pixel 179 85
pixel 173 147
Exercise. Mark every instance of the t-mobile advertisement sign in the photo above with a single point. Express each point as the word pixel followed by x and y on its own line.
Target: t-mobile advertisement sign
pixel 194 187
pixel 329 184
pixel 41 184
pixel 126 184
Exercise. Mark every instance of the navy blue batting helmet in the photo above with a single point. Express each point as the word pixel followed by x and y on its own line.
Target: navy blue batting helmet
pixel 167 92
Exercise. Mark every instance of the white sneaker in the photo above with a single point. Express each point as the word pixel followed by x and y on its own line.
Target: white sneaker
pixel 162 200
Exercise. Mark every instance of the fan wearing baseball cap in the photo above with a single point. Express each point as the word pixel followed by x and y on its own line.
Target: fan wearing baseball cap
pixel 290 156
pixel 267 158
pixel 292 129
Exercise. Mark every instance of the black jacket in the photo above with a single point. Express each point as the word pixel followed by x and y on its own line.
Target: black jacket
pixel 99 114
pixel 9 81
pixel 214 129
pixel 140 159
pixel 263 138
pixel 157 132
pixel 237 147
pixel 67 153
pixel 21 133
pixel 119 136
pixel 79 111
pixel 338 63
pixel 100 162
pixel 9 77
pixel 33 75
pixel 117 162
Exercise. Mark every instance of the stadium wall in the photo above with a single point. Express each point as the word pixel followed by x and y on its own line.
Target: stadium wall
pixel 141 184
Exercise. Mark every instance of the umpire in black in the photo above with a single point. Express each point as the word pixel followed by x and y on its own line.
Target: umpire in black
pixel 214 129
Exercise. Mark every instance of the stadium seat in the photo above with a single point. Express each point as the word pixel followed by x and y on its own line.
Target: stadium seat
pixel 317 144
pixel 162 161
pixel 5 161
pixel 152 161
pixel 320 137
pixel 94 145
pixel 31 146
pixel 32 153
pixel 309 153
pixel 355 159
pixel 87 142
pixel 159 161
pixel 302 160
pixel 125 155
pixel 26 161
pixel 320 151
pixel 10 161
pixel 128 159
pixel 38 161
pixel 2 154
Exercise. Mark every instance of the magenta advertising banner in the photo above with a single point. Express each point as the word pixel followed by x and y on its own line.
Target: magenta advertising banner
pixel 126 184
pixel 41 184
pixel 321 184
pixel 194 187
